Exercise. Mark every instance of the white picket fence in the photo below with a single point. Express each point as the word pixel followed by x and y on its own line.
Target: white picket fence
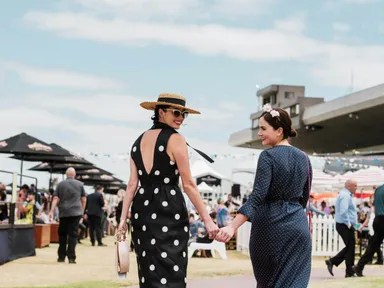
pixel 325 239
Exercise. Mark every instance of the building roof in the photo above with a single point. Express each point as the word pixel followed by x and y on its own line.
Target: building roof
pixel 352 103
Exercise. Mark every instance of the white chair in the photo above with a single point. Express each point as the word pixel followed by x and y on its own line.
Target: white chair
pixel 214 245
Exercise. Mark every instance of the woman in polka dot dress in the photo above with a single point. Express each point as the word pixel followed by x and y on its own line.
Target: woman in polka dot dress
pixel 160 226
pixel 280 244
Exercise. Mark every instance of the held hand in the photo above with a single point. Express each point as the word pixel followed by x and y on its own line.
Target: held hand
pixel 50 216
pixel 211 228
pixel 121 231
pixel 225 234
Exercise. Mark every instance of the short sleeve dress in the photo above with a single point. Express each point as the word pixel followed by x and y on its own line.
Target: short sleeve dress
pixel 160 227
pixel 280 243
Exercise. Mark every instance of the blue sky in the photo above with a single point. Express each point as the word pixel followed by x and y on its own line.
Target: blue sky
pixel 74 71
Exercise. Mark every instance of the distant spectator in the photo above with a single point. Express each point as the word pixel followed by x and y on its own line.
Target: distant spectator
pixel 3 206
pixel 325 208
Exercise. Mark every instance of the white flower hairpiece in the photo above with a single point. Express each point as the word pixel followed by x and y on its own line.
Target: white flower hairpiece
pixel 275 113
pixel 268 108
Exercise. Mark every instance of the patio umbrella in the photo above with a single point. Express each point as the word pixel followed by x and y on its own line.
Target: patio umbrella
pixel 93 171
pixel 60 168
pixel 98 179
pixel 23 145
pixel 70 157
pixel 53 159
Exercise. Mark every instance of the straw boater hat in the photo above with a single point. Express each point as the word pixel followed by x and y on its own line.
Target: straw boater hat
pixel 169 99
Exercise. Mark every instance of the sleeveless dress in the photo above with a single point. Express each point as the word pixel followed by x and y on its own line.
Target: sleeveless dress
pixel 160 226
pixel 280 243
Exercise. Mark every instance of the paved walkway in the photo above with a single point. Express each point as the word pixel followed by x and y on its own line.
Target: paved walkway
pixel 249 281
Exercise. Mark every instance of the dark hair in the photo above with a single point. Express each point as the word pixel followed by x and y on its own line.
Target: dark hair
pixel 284 121
pixel 155 117
pixel 25 186
pixel 99 187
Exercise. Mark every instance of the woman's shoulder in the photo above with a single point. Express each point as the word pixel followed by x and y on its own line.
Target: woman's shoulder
pixel 283 149
pixel 277 153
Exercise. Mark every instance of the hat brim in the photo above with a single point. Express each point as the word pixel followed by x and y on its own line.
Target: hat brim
pixel 152 106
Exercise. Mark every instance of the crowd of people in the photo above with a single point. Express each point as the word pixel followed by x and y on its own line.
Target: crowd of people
pixel 347 222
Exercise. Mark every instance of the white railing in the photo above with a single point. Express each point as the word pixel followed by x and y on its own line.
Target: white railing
pixel 325 239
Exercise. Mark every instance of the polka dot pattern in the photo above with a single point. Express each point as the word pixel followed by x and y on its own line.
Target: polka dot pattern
pixel 160 219
pixel 280 219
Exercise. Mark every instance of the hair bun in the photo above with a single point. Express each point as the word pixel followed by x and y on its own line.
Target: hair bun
pixel 293 133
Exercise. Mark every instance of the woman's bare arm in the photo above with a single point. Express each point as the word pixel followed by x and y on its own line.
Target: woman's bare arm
pixel 179 150
pixel 130 191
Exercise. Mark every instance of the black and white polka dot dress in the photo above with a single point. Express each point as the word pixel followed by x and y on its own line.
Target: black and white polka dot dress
pixel 280 243
pixel 159 219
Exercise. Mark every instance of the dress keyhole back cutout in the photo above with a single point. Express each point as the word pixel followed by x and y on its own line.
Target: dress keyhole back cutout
pixel 148 144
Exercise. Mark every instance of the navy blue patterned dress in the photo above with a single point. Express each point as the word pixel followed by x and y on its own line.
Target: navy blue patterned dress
pixel 280 243
pixel 159 219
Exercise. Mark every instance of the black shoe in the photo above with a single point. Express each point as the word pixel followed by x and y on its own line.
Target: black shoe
pixel 349 275
pixel 357 270
pixel 60 260
pixel 79 242
pixel 93 244
pixel 329 266
pixel 72 261
pixel 379 263
pixel 102 245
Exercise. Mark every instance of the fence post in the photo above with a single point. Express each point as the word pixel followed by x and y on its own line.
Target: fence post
pixel 14 187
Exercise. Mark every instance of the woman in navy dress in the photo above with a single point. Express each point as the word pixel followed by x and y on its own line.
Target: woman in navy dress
pixel 160 226
pixel 280 244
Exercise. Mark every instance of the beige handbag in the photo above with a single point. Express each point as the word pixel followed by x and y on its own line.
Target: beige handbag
pixel 122 255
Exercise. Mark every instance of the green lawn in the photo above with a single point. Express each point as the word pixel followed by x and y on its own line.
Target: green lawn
pixel 355 282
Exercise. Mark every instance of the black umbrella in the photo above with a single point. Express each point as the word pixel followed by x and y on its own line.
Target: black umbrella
pixel 93 171
pixel 98 179
pixel 60 168
pixel 23 145
pixel 53 159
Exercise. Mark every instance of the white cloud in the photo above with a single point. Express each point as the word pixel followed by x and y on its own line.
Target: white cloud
pixel 39 76
pixel 247 44
pixel 103 106
pixel 341 27
pixel 293 24
pixel 325 59
pixel 22 119
pixel 126 108
pixel 171 10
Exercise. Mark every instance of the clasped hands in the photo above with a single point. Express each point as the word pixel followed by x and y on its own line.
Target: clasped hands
pixel 223 234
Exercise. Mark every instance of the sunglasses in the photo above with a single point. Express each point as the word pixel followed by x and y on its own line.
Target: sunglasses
pixel 178 113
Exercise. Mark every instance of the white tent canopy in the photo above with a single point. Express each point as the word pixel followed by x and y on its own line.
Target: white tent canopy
pixel 204 187
pixel 373 176
pixel 201 168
